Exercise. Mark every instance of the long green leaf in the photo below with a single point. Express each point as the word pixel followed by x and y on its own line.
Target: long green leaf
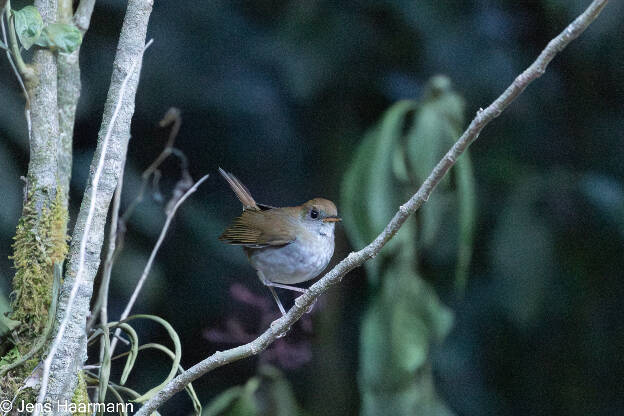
pixel 105 368
pixel 134 349
pixel 197 407
pixel 437 124
pixel 177 353
pixel 370 195
pixel 122 411
pixel 466 219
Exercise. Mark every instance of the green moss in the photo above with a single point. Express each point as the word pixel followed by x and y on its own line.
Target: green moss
pixel 10 356
pixel 80 395
pixel 39 241
pixel 13 380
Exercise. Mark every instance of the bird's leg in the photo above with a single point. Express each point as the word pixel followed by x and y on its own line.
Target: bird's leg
pixel 269 285
pixel 279 303
pixel 287 287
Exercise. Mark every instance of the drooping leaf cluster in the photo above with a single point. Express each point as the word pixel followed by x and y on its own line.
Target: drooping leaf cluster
pixel 405 316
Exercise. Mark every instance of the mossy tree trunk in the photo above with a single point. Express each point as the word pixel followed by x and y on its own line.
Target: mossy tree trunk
pixel 111 150
pixel 39 239
pixel 53 89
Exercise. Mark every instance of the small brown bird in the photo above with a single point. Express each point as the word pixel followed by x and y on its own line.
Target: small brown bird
pixel 286 245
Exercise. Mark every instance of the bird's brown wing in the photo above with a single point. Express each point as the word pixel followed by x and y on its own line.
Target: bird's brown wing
pixel 258 229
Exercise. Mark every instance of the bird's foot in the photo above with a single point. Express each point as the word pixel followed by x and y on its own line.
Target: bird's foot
pixel 299 302
pixel 311 305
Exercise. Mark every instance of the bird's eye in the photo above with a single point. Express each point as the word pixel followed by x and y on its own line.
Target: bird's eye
pixel 314 214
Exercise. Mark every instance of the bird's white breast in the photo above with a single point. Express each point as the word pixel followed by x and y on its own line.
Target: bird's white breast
pixel 296 262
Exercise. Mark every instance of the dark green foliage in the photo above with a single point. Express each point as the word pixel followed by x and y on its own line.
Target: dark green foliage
pixel 405 316
pixel 268 394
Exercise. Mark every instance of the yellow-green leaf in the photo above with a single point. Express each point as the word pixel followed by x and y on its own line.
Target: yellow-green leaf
pixel 28 25
pixel 60 36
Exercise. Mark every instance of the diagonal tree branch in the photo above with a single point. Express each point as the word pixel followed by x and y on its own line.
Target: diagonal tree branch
pixel 281 326
pixel 71 353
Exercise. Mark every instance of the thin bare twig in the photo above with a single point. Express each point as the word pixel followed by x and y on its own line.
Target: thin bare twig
pixel 83 245
pixel 152 256
pixel 281 326
pixel 116 236
pixel 10 58
pixel 171 117
pixel 18 75
pixel 24 69
pixel 118 222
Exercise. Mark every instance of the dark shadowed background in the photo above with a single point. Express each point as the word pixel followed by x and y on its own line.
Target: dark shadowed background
pixel 281 93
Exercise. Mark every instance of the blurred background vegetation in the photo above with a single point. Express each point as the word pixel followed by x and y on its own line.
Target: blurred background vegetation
pixel 288 95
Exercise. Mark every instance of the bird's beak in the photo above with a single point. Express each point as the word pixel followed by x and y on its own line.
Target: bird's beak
pixel 332 218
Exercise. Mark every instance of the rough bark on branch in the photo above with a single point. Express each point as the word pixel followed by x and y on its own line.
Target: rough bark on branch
pixel 281 326
pixel 44 137
pixel 69 86
pixel 72 352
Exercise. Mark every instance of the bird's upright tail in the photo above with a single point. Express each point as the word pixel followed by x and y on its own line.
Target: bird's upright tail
pixel 242 193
